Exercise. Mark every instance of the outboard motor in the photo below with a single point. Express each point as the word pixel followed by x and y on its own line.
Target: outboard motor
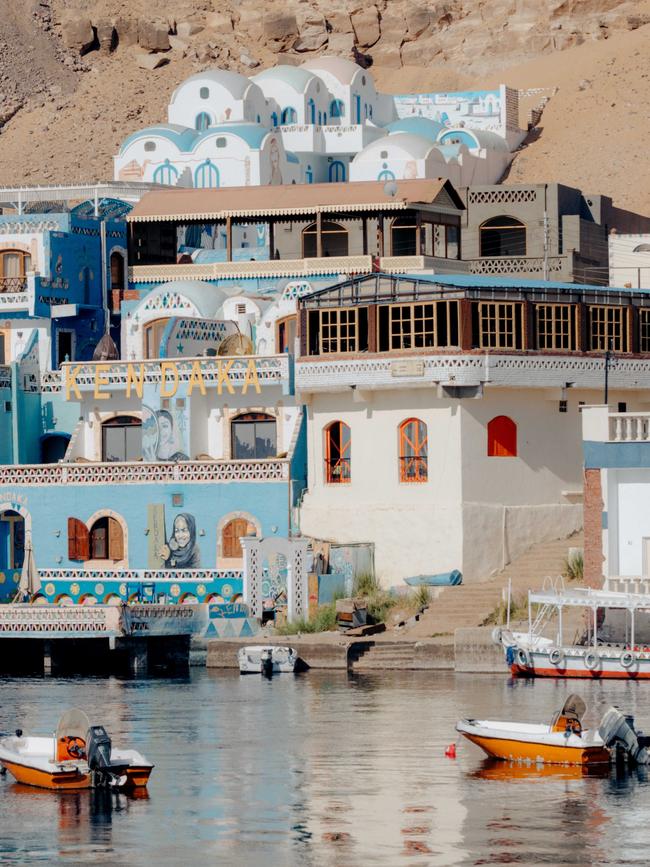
pixel 98 748
pixel 266 662
pixel 618 732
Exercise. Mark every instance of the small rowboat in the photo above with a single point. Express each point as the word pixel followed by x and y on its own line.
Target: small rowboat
pixel 79 756
pixel 563 742
pixel 442 579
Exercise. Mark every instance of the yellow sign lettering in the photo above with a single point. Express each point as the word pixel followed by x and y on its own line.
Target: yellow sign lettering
pixel 168 389
pixel 100 380
pixel 71 374
pixel 224 370
pixel 251 378
pixel 196 378
pixel 133 381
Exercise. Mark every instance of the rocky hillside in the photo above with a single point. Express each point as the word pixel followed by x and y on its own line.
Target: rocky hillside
pixel 76 77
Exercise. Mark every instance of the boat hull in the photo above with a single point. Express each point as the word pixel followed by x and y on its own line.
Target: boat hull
pixel 580 662
pixel 60 780
pixel 138 777
pixel 521 751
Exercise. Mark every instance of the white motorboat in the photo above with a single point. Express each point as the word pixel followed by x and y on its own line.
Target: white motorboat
pixel 78 756
pixel 267 659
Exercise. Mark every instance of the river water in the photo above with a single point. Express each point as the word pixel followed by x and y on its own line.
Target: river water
pixel 321 769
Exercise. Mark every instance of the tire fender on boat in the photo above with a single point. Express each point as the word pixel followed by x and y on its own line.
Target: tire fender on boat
pixel 524 659
pixel 592 660
pixel 496 635
pixel 556 656
pixel 627 659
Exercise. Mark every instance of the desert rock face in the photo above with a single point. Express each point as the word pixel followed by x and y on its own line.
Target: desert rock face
pixel 77 77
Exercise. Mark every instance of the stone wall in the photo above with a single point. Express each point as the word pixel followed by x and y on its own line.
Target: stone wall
pixel 593 525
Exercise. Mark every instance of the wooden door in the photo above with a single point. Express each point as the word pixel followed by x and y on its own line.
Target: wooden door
pixel 98 542
pixel 232 533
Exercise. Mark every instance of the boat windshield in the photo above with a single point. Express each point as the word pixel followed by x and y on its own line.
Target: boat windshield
pixel 74 724
pixel 574 707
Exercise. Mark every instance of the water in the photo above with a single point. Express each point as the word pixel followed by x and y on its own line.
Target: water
pixel 321 769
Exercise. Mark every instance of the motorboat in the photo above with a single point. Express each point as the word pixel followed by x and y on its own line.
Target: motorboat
pixel 544 651
pixel 267 659
pixel 562 742
pixel 78 756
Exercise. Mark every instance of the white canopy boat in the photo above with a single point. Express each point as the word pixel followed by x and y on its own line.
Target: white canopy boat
pixel 267 659
pixel 535 654
pixel 78 756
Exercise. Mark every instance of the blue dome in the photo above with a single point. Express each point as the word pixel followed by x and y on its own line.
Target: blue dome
pixel 422 126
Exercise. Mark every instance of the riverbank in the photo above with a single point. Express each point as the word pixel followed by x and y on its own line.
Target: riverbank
pixel 467 650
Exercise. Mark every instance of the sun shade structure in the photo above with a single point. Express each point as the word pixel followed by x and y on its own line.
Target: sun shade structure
pixel 290 199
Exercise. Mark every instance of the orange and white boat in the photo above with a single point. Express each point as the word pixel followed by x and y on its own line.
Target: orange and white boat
pixel 563 742
pixel 78 756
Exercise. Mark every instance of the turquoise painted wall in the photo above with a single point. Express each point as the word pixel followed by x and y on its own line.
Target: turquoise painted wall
pixel 51 506
pixel 6 436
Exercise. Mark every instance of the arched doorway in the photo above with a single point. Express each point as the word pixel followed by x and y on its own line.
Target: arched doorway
pixel 12 540
pixel 118 277
pixel 53 448
pixel 334 240
pixel 122 439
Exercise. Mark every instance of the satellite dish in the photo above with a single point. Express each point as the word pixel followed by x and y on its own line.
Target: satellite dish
pixel 390 189
pixel 236 344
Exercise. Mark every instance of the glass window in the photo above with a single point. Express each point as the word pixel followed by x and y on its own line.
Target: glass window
pixel 204 92
pixel 502 236
pixel 413 451
pixel 122 439
pixel 338 451
pixel 607 328
pixel 556 326
pixel 254 437
pixel 500 325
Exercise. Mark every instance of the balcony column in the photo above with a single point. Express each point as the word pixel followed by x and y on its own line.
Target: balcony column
pixel 364 234
pixel 229 239
pixel 319 235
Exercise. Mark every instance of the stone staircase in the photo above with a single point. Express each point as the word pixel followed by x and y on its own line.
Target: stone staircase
pixel 382 655
pixel 470 604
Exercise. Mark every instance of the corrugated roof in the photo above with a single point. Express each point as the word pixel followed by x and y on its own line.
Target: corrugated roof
pixel 216 204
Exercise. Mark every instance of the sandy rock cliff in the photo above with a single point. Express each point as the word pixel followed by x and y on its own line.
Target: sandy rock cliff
pixel 76 77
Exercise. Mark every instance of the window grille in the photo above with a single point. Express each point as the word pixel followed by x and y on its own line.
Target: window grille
pixel 500 325
pixel 556 326
pixel 607 328
pixel 338 330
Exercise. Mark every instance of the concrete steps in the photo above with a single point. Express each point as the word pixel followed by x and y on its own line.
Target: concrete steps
pixel 469 605
pixel 385 655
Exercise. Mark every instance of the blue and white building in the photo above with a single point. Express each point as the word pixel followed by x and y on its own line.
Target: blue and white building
pixel 320 122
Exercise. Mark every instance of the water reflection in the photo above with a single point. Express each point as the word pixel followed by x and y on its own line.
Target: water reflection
pixel 322 769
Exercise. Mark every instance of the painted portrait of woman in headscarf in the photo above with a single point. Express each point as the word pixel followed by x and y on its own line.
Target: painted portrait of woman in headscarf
pixel 182 550
pixel 161 439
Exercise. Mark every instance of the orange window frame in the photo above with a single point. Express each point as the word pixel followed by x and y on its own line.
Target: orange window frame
pixel 413 451
pixel 338 457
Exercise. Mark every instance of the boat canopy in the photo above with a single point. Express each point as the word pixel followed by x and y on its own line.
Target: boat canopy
pixel 587 597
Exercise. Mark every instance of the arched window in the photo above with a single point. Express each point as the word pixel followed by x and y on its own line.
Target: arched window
pixel 334 239
pixel 122 439
pixel 166 174
pixel 231 534
pixel 274 118
pixel 206 176
pixel 309 175
pixel 289 116
pixel 403 236
pixel 204 92
pixel 385 174
pixel 311 106
pixel 338 451
pixel 152 336
pixel 502 437
pixel 502 236
pixel 254 436
pixel 202 121
pixel 337 108
pixel 413 451
pixel 336 171
pixel 117 270
pixel 106 539
pixel 642 248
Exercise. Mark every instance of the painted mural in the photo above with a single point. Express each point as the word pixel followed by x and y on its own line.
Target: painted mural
pixel 165 431
pixel 182 549
pixel 476 109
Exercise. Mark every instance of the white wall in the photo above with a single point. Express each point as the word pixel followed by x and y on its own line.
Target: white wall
pixel 627 268
pixel 628 519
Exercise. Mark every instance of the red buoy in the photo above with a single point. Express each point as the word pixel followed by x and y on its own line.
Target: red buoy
pixel 450 752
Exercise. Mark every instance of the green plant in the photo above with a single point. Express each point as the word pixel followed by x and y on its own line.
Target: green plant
pixel 365 584
pixel 499 615
pixel 323 621
pixel 574 566
pixel 421 597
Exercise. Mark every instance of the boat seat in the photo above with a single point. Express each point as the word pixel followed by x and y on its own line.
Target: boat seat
pixel 563 722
